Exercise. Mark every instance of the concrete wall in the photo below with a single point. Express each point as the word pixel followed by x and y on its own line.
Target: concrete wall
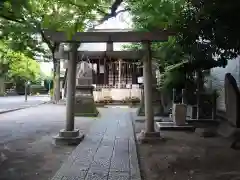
pixel 217 76
pixel 116 94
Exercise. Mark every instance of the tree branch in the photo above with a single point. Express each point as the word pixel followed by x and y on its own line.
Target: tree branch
pixel 46 40
pixel 13 19
pixel 106 16
pixel 112 14
pixel 113 11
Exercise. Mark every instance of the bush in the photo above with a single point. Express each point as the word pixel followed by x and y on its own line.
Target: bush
pixel 34 89
pixel 20 88
pixel 107 99
pixel 132 99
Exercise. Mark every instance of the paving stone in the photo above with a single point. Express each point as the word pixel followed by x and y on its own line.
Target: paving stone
pixel 82 166
pixel 69 174
pixel 96 176
pixel 101 163
pixel 108 151
pixel 98 169
pixel 104 152
pixel 119 163
pixel 118 176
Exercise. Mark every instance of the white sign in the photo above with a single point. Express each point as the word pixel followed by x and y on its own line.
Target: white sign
pixel 140 80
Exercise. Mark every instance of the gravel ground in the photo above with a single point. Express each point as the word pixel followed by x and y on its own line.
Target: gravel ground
pixel 186 156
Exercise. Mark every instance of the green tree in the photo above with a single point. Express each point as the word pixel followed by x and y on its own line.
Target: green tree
pixel 22 67
pixel 17 67
pixel 69 16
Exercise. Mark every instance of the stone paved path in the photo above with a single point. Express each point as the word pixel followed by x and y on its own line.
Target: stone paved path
pixel 108 151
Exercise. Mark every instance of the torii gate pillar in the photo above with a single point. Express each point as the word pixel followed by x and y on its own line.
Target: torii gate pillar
pixel 149 133
pixel 70 135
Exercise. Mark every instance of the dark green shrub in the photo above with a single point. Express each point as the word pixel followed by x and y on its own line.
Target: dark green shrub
pixel 35 88
pixel 20 88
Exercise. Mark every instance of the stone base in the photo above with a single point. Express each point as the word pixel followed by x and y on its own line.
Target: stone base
pixel 149 137
pixel 170 126
pixel 68 137
pixel 85 106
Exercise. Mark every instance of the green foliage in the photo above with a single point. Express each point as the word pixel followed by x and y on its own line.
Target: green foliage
pixel 24 30
pixel 151 14
pixel 22 67
pixel 207 35
pixel 20 87
pixel 17 66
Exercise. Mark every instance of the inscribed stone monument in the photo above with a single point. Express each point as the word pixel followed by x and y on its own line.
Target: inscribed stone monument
pixel 84 102
pixel 230 128
pixel 232 100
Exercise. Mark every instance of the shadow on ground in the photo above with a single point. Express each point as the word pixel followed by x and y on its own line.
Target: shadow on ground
pixel 26 149
pixel 186 156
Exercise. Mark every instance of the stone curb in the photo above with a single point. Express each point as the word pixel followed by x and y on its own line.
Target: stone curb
pixel 16 109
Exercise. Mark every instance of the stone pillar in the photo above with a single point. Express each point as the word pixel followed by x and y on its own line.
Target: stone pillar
pixel 69 135
pixel 149 134
pixel 71 84
pixel 147 74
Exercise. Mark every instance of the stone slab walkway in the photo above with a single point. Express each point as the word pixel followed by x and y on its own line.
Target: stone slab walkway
pixel 108 151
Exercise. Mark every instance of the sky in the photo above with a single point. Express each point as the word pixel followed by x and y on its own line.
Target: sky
pixel 122 21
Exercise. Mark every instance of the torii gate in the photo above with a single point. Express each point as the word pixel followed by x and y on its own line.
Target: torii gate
pixel 70 134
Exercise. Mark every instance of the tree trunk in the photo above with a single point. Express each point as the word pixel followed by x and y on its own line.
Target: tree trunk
pixel 2 85
pixel 56 79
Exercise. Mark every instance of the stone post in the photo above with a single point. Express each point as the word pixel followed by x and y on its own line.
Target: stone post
pixel 71 88
pixel 147 74
pixel 69 135
pixel 149 134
